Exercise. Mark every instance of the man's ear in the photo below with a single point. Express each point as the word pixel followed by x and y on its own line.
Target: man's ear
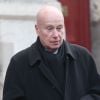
pixel 36 28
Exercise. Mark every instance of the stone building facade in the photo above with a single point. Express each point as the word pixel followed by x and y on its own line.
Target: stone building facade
pixel 95 30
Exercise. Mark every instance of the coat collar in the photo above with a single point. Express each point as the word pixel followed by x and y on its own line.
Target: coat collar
pixel 69 50
pixel 34 55
pixel 35 58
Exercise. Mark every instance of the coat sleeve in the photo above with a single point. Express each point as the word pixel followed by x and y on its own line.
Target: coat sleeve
pixel 94 81
pixel 12 86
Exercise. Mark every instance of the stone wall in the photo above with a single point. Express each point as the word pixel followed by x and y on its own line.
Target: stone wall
pixel 95 30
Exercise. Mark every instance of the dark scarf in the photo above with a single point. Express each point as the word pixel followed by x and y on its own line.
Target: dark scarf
pixel 54 62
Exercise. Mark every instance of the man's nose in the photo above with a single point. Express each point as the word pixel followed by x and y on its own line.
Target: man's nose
pixel 55 33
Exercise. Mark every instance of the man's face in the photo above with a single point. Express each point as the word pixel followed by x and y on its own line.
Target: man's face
pixel 51 32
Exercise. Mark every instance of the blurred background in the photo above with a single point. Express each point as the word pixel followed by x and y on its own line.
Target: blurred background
pixel 17 19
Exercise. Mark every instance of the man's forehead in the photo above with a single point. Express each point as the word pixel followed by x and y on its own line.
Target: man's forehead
pixel 48 8
pixel 55 24
pixel 48 11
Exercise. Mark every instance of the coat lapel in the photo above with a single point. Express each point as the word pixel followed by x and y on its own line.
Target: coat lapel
pixel 34 57
pixel 48 74
pixel 67 81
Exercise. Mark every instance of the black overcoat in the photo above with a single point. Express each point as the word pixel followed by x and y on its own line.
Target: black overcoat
pixel 28 78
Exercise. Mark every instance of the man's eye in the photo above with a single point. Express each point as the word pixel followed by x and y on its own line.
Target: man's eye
pixel 59 28
pixel 49 28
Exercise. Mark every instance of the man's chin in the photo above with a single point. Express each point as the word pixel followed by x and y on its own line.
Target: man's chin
pixel 52 49
pixel 55 48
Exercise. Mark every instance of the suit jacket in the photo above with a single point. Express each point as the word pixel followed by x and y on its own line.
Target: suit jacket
pixel 28 78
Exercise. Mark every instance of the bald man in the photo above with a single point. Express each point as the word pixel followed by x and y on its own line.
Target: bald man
pixel 52 68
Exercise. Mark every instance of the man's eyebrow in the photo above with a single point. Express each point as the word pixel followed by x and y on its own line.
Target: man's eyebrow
pixel 60 26
pixel 49 26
